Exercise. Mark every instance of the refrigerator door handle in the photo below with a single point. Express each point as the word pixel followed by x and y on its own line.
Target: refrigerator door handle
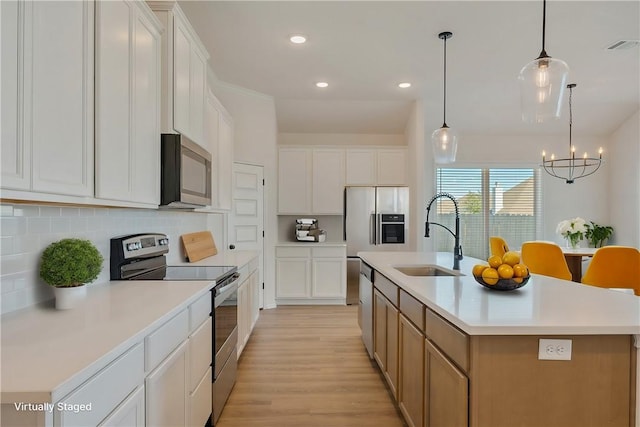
pixel 372 229
pixel 378 229
pixel 344 217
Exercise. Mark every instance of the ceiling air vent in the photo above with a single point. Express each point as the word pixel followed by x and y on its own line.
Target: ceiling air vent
pixel 624 44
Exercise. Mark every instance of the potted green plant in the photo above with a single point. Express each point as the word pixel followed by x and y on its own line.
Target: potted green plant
pixel 598 234
pixel 67 265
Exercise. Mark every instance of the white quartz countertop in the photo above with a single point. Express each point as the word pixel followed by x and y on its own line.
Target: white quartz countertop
pixel 225 258
pixel 543 306
pixel 46 353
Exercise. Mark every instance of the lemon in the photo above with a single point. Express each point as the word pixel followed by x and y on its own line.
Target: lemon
pixel 478 269
pixel 511 258
pixel 520 270
pixel 495 261
pixel 490 276
pixel 505 271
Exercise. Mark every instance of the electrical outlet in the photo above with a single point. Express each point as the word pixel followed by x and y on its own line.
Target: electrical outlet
pixel 554 349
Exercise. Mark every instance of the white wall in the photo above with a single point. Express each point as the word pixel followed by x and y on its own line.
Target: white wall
pixel 254 119
pixel 28 229
pixel 339 139
pixel 624 182
pixel 421 173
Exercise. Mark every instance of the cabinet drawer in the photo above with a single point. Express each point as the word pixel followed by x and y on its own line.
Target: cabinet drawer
pixel 412 309
pixel 292 252
pixel 200 350
pixel 165 339
pixel 329 252
pixel 387 288
pixel 105 390
pixel 199 311
pixel 200 401
pixel 453 342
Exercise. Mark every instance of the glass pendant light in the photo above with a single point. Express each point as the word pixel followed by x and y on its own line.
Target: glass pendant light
pixel 445 139
pixel 542 83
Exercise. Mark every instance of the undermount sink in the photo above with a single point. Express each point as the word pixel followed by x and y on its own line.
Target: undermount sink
pixel 425 270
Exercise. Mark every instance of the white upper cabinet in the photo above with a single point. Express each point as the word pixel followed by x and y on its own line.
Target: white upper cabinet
pixel 294 181
pixel 361 167
pixel 391 166
pixel 184 71
pixel 376 166
pixel 218 133
pixel 127 102
pixel 327 181
pixel 47 75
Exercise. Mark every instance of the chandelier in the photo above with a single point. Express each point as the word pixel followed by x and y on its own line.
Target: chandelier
pixel 571 168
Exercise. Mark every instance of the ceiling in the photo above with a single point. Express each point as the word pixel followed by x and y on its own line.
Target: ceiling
pixel 364 49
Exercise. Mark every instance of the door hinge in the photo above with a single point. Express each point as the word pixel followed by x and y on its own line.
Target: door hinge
pixel 263 182
pixel 262 285
pixel 262 233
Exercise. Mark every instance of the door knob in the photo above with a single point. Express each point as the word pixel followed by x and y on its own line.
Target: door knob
pixel 232 247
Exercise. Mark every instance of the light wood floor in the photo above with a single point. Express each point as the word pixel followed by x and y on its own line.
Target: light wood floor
pixel 306 366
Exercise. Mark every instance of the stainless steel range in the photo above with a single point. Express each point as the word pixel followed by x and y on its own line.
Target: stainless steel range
pixel 142 257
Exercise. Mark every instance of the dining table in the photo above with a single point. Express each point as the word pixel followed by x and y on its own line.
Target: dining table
pixel 574 257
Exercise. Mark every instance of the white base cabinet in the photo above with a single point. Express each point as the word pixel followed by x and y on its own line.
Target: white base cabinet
pixel 166 391
pixel 248 302
pixel 311 275
pixel 130 413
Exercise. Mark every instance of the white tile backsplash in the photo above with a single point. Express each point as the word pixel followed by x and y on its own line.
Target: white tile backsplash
pixel 26 230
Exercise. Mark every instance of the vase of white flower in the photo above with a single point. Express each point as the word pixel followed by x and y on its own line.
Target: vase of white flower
pixel 573 230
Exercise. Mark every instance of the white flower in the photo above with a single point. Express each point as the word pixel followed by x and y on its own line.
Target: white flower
pixel 572 227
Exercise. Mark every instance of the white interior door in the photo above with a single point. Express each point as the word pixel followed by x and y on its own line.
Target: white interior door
pixel 246 221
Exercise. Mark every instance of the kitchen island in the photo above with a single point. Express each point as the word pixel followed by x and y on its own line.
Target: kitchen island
pixel 456 353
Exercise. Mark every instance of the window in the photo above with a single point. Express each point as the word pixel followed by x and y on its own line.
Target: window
pixel 501 202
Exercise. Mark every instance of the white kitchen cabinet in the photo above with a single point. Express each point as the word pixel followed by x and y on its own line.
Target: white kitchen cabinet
pixel 361 166
pixel 294 181
pixel 311 275
pixel 129 413
pixel 376 166
pixel 218 134
pixel 327 181
pixel 248 299
pixel 166 391
pixel 391 166
pixel 127 102
pixel 48 145
pixel 184 66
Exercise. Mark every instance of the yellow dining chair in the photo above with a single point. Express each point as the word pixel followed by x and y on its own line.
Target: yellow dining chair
pixel 498 246
pixel 614 267
pixel 545 258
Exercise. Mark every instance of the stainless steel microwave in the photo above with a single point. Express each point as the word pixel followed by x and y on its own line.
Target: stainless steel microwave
pixel 185 173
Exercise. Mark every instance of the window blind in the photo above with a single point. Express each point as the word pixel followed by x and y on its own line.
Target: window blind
pixel 501 202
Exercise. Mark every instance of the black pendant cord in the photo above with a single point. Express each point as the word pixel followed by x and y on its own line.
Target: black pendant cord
pixel 543 53
pixel 444 95
pixel 570 117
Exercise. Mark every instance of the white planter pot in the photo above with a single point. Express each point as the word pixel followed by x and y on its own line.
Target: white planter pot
pixel 67 298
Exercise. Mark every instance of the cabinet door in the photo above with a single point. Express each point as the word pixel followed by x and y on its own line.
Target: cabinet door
pixel 197 87
pixel 255 298
pixel 392 167
pixel 14 154
pixel 294 181
pixel 411 382
pixel 243 302
pixel 328 181
pixel 127 104
pixel 225 162
pixel 130 413
pixel 166 391
pixel 446 391
pixel 391 373
pixel 181 77
pixel 146 110
pixel 292 277
pixel 59 86
pixel 361 167
pixel 380 329
pixel 328 278
pixel 211 137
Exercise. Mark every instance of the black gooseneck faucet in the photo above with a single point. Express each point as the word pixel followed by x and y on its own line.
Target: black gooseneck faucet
pixel 457 249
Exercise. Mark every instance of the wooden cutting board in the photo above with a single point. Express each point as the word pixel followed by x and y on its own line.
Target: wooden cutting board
pixel 198 245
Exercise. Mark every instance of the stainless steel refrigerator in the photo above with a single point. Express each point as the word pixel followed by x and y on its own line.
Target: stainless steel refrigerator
pixel 375 219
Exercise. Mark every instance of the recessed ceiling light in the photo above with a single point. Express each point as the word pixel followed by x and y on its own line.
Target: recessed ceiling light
pixel 298 39
pixel 322 84
pixel 404 85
